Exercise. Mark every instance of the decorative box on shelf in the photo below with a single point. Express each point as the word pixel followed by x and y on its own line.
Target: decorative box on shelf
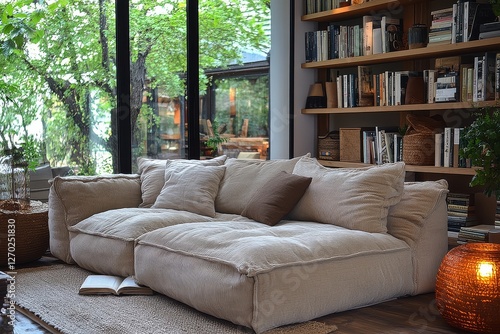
pixel 329 146
pixel 350 144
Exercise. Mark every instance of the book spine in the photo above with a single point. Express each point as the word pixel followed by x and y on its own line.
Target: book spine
pixel 447 142
pixel 497 76
pixel 431 90
pixel 438 144
pixel 454 25
pixel 465 36
pixel 340 96
pixel 368 37
pixel 456 146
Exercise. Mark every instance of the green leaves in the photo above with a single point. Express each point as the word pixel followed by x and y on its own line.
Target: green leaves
pixel 482 147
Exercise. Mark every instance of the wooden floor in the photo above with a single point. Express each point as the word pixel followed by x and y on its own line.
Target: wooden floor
pixel 407 315
pixel 402 316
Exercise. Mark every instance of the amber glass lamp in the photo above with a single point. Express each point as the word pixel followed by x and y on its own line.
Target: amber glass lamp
pixel 468 287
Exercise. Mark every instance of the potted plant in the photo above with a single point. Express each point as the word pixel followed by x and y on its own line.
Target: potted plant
pixel 482 147
pixel 15 163
pixel 214 142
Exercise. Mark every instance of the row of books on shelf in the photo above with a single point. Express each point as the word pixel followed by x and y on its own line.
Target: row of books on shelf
pixel 316 6
pixel 378 145
pixel 449 81
pixel 375 35
pixel 382 33
pixel 447 148
pixel 463 79
pixel 459 23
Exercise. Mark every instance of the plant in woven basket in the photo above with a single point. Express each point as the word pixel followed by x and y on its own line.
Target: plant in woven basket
pixel 14 176
pixel 482 147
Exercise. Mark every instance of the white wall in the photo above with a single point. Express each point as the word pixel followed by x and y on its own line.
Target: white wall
pixel 304 127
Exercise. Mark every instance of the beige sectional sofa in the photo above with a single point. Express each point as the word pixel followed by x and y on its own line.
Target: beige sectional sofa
pixel 259 243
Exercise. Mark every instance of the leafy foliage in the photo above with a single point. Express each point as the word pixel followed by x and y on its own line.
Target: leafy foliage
pixel 59 58
pixel 482 140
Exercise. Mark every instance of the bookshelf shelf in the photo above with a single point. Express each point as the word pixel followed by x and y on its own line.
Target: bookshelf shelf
pixel 409 168
pixel 354 11
pixel 413 54
pixel 401 108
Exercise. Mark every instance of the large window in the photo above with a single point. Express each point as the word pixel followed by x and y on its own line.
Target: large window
pixel 233 44
pixel 61 93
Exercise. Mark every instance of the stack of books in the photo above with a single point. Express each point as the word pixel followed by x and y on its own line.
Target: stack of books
pixel 489 30
pixel 477 233
pixel 461 211
pixel 441 26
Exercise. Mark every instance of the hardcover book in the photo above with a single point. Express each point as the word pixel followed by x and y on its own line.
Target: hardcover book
pixel 365 86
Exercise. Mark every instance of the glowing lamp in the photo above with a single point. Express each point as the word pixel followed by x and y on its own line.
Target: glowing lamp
pixel 468 287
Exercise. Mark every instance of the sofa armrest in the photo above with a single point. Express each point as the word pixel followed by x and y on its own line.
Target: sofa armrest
pixel 421 220
pixel 75 198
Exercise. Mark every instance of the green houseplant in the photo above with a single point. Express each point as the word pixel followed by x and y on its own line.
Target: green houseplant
pixel 482 147
pixel 214 142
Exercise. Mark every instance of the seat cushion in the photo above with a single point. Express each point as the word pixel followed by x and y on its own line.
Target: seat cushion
pixel 263 276
pixel 104 242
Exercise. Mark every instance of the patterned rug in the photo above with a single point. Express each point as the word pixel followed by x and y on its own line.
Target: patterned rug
pixel 51 293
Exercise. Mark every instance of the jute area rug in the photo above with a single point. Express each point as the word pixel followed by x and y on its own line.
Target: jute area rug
pixel 51 293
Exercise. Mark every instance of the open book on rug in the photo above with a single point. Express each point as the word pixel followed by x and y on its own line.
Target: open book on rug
pixel 107 284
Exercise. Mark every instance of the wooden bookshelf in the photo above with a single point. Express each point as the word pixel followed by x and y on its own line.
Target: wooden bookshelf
pixel 409 168
pixel 418 59
pixel 402 108
pixel 431 51
pixel 350 12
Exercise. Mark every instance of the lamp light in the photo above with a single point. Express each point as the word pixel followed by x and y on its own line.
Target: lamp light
pixel 468 287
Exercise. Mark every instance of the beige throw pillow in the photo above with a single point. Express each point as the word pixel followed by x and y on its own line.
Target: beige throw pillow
pixel 276 198
pixel 152 172
pixel 190 187
pixel 357 199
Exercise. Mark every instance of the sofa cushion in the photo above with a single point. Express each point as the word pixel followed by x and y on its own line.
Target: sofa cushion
pixel 263 277
pixel 152 173
pixel 276 198
pixel 245 177
pixel 353 198
pixel 74 198
pixel 104 242
pixel 190 187
pixel 420 219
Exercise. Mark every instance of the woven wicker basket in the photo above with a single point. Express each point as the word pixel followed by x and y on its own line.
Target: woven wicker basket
pixel 329 146
pixel 30 231
pixel 418 142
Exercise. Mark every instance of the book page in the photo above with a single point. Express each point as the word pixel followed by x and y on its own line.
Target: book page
pixel 100 284
pixel 130 287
